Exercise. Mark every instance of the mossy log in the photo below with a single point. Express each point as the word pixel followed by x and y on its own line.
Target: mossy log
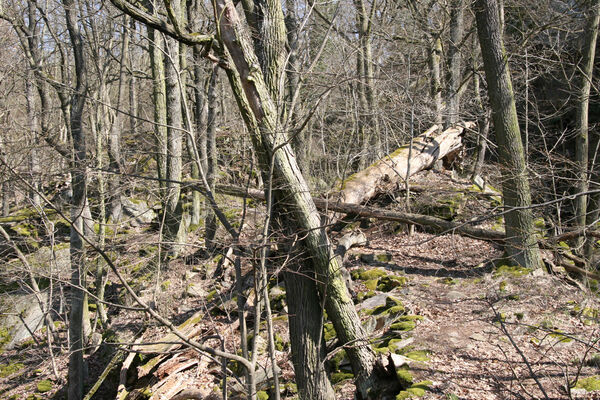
pixel 406 161
pixel 379 213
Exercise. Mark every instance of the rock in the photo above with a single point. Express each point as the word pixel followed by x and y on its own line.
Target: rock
pixel 196 290
pixel 454 295
pixel 27 306
pixel 479 182
pixel 397 344
pixel 376 301
pixel 139 210
pixel 478 337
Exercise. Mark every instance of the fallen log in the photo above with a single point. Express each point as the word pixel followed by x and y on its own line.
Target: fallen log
pixel 438 224
pixel 406 161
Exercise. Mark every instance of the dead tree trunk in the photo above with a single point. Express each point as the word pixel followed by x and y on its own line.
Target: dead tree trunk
pixel 394 168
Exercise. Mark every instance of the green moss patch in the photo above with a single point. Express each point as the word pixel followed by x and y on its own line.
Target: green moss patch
pixel 44 386
pixel 418 355
pixel 338 377
pixel 404 377
pixel 511 270
pixel 416 390
pixel 262 395
pixel 590 384
pixel 366 275
pixel 9 369
pixel 328 331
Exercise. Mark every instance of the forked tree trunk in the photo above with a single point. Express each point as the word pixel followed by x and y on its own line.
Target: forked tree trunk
pixel 292 192
pixel 522 243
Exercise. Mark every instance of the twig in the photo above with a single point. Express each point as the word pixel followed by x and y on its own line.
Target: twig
pixel 523 357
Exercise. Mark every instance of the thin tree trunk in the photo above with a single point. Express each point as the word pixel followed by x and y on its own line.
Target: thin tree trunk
pixel 114 139
pixel 210 221
pixel 522 244
pixel 582 141
pixel 436 80
pixel 455 61
pixel 78 202
pixel 34 163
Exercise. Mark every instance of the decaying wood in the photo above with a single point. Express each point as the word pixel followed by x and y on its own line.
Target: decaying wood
pixel 121 389
pixel 168 343
pixel 396 167
pixel 119 354
pixel 438 224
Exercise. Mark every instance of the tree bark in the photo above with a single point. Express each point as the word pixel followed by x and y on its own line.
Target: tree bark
pixel 210 221
pixel 522 244
pixel 78 202
pixel 114 139
pixel 292 192
pixel 582 141
pixel 455 61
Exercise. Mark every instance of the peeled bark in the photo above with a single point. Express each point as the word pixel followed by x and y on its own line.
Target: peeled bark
pixel 406 161
pixel 520 233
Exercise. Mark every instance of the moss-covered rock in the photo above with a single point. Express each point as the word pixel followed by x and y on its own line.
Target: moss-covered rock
pixel 404 377
pixel 403 326
pixel 511 270
pixel 366 275
pixel 44 386
pixel 416 390
pixel 390 282
pixel 262 395
pixel 418 355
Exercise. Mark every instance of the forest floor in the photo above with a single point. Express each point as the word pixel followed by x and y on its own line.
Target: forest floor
pixel 483 330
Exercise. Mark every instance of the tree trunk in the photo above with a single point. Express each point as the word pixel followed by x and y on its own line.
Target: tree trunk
pixel 34 163
pixel 436 81
pixel 160 108
pixel 114 139
pixel 401 164
pixel 306 334
pixel 522 244
pixel 582 141
pixel 292 192
pixel 78 202
pixel 210 221
pixel 455 61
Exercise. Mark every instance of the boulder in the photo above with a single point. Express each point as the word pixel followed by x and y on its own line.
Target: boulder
pixel 139 211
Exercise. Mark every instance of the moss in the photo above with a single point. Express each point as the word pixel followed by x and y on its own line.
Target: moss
pixel 280 343
pixel 403 326
pixel 9 369
pixel 449 281
pixel 502 286
pixel 511 270
pixel 383 258
pixel 262 395
pixel 418 355
pixel 365 295
pixel 328 331
pixel 416 390
pixel 211 295
pixel 165 285
pixel 390 282
pixel 337 359
pixel 370 274
pixel 590 384
pixel 371 284
pixel 561 338
pixel 290 388
pixel 5 337
pixel 44 386
pixel 338 377
pixel 404 377
pixel 519 315
pixel 514 297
